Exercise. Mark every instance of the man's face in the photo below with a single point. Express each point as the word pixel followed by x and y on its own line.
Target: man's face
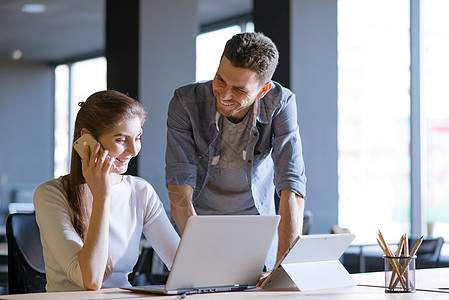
pixel 235 89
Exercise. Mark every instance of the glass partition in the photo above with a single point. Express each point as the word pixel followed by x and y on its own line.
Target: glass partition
pixel 374 117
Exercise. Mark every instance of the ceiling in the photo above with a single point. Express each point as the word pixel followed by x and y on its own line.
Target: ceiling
pixel 71 29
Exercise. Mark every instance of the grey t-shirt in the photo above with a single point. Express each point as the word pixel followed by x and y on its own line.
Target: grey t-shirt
pixel 229 190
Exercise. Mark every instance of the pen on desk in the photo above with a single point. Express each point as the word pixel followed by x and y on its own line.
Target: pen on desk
pixel 181 296
pixel 184 295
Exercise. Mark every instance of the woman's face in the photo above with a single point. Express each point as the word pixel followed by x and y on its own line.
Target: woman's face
pixel 123 143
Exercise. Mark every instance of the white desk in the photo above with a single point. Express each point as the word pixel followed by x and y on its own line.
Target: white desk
pixel 424 278
pixel 352 293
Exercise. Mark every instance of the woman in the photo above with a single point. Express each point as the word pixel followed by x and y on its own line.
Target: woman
pixel 91 220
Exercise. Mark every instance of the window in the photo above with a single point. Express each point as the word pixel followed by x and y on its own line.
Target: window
pixel 374 117
pixel 73 84
pixel 209 47
pixel 435 113
pixel 61 120
pixel 88 77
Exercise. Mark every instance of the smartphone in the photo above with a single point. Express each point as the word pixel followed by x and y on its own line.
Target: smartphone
pixel 85 139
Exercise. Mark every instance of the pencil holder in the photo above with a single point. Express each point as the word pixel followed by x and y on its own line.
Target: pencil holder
pixel 399 274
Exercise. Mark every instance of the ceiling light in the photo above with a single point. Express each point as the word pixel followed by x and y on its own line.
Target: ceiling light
pixel 34 8
pixel 16 54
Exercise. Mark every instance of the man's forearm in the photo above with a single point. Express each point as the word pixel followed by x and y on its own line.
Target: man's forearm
pixel 181 206
pixel 291 209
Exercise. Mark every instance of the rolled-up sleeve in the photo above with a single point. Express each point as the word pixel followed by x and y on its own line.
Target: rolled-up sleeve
pixel 287 150
pixel 180 166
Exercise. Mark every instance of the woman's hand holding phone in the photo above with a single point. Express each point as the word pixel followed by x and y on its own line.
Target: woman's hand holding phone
pixel 85 139
pixel 96 166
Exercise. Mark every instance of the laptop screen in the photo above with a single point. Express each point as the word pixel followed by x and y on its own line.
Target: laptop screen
pixel 222 251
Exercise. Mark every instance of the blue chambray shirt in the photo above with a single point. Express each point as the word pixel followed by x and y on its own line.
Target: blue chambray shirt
pixel 273 152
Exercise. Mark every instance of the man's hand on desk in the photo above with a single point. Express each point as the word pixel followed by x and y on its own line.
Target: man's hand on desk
pixel 262 278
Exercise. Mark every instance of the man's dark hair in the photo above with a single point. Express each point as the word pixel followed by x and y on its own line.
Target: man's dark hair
pixel 254 51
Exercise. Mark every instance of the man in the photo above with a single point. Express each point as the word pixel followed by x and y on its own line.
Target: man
pixel 233 140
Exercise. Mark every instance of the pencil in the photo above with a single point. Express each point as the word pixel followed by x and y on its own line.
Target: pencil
pixel 392 261
pixel 401 245
pixel 406 253
pixel 416 247
pixel 398 253
pixel 407 262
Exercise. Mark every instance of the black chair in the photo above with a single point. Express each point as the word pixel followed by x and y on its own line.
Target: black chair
pixel 26 268
pixel 142 270
pixel 307 221
pixel 428 253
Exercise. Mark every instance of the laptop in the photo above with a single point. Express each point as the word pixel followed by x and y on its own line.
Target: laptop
pixel 312 263
pixel 217 254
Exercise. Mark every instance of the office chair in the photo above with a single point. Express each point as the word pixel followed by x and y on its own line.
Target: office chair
pixel 307 221
pixel 26 268
pixel 143 266
pixel 429 252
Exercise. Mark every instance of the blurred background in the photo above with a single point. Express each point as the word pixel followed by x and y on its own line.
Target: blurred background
pixel 369 77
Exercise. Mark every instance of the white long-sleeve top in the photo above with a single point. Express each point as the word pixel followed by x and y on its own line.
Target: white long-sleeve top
pixel 134 208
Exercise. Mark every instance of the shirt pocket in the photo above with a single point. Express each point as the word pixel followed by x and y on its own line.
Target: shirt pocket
pixel 263 144
pixel 261 163
pixel 262 150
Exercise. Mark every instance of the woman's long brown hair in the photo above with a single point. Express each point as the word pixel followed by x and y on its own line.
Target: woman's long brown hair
pixel 100 113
